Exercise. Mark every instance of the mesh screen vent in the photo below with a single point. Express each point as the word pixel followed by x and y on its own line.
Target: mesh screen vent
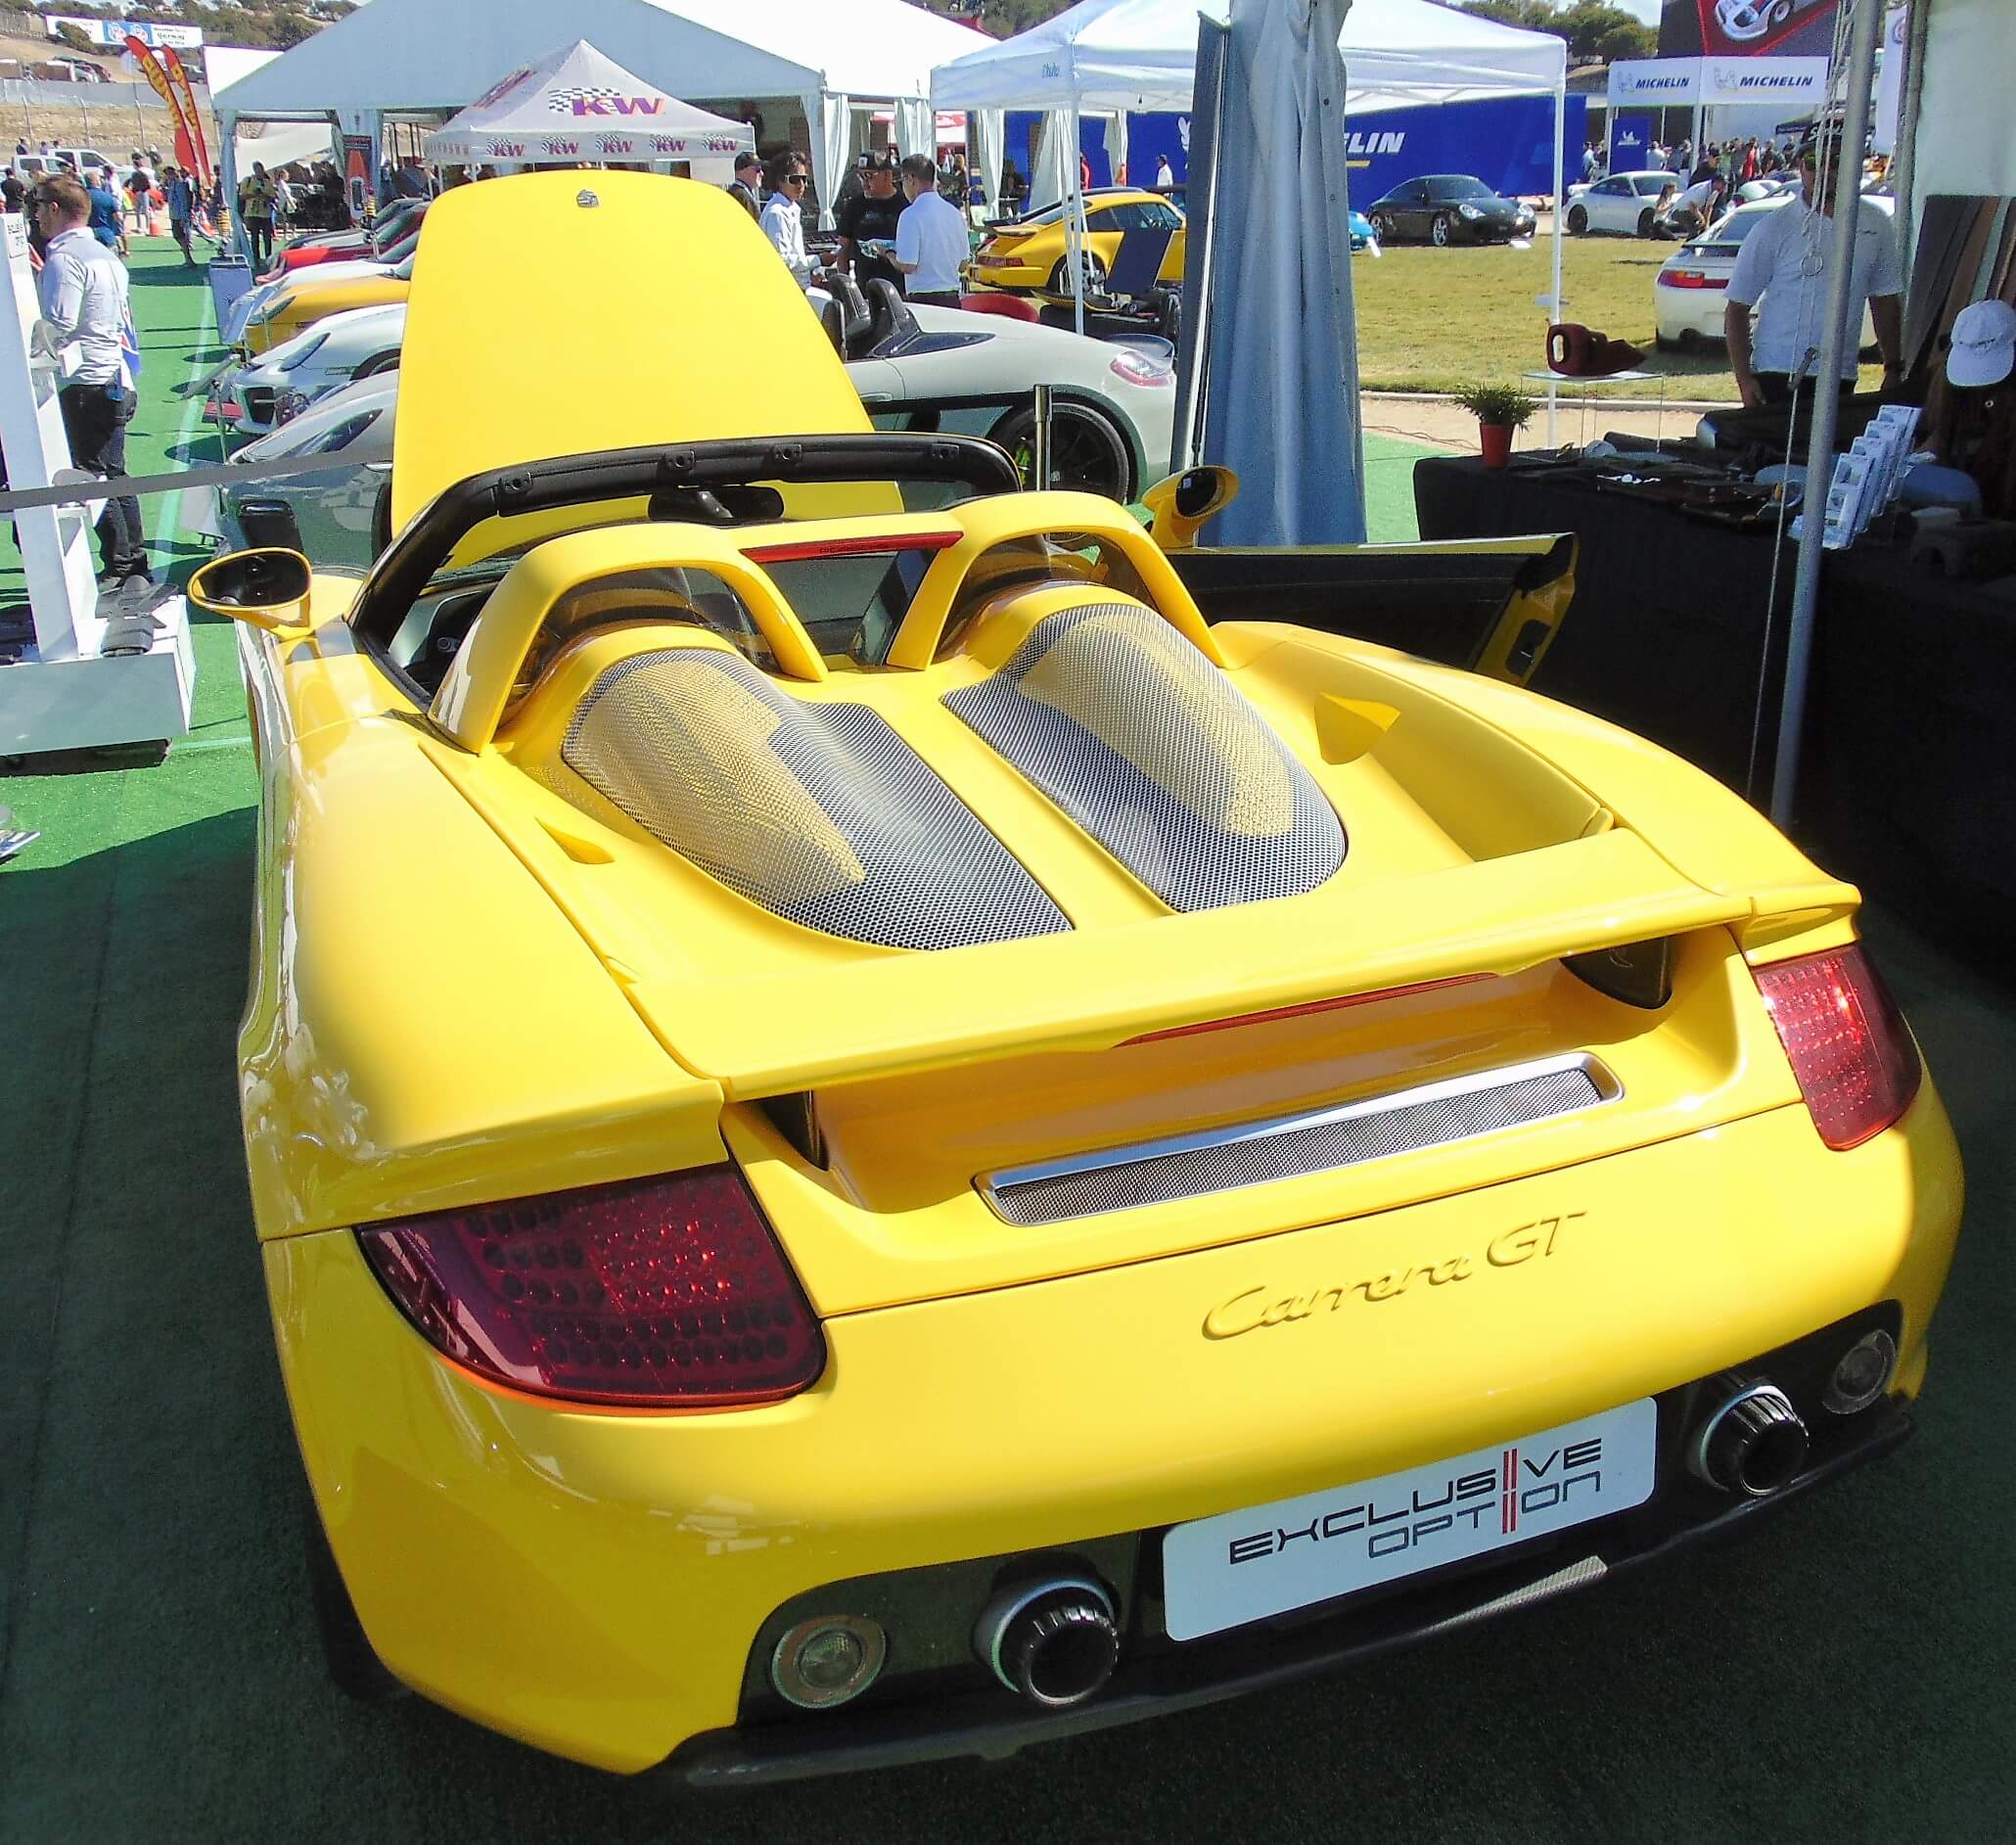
pixel 1234 1158
pixel 818 812
pixel 1121 723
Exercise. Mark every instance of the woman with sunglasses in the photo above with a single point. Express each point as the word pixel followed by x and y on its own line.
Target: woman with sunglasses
pixel 783 219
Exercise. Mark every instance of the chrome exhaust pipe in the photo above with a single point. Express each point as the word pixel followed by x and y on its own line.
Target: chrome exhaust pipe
pixel 1053 1641
pixel 1751 1442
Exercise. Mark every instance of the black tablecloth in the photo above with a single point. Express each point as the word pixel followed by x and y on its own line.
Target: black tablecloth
pixel 1907 777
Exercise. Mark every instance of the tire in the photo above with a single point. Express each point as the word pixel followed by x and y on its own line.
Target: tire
pixel 1577 221
pixel 1382 227
pixel 1664 345
pixel 1645 222
pixel 1088 453
pixel 354 1668
pixel 1780 12
pixel 1439 230
pixel 1095 275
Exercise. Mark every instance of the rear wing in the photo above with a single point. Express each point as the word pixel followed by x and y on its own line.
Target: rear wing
pixel 761 1035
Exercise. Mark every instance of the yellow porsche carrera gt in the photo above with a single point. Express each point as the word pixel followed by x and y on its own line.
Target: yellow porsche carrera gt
pixel 890 1119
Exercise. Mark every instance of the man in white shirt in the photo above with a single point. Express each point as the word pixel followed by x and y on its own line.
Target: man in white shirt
pixel 83 296
pixel 932 243
pixel 1783 265
pixel 783 219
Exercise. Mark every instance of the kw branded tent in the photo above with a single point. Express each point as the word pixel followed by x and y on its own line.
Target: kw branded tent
pixel 575 104
pixel 430 58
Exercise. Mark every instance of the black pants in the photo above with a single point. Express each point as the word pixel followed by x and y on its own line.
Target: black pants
pixel 96 424
pixel 1776 386
pixel 180 226
pixel 937 298
pixel 258 233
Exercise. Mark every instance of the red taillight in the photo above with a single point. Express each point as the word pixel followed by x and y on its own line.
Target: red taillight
pixel 1851 1049
pixel 1690 279
pixel 669 1292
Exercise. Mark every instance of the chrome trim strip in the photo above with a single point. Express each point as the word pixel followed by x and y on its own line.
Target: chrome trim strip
pixel 1601 1077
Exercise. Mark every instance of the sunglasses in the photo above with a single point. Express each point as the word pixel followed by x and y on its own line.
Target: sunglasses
pixel 796 179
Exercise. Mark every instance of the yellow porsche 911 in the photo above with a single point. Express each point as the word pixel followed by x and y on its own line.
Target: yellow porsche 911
pixel 890 1119
pixel 309 299
pixel 1029 252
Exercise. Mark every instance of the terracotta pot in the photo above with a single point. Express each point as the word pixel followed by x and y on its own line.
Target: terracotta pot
pixel 1497 440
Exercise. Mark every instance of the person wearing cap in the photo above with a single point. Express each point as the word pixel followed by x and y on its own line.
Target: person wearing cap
pixel 748 175
pixel 1975 428
pixel 871 215
pixel 932 245
pixel 1781 270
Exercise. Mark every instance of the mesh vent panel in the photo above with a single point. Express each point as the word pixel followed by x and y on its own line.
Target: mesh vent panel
pixel 1148 747
pixel 821 813
pixel 1252 1156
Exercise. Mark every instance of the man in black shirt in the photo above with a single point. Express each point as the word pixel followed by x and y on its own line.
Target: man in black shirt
pixel 871 214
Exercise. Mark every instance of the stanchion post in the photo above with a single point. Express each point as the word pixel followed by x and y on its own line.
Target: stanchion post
pixel 1835 335
pixel 1040 443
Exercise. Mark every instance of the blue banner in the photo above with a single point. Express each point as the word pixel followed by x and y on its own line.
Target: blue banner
pixel 1630 134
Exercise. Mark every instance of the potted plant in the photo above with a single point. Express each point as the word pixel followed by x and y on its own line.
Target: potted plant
pixel 1499 409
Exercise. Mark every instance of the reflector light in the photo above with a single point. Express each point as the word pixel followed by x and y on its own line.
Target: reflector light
pixel 1690 279
pixel 669 1292
pixel 1143 368
pixel 1856 1064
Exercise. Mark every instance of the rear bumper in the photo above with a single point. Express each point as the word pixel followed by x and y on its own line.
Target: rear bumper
pixel 598 1583
pixel 991 1726
pixel 1011 274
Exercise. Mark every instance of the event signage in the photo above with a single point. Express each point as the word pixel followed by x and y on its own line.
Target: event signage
pixel 113 33
pixel 156 73
pixel 1655 81
pixel 1783 83
pixel 178 76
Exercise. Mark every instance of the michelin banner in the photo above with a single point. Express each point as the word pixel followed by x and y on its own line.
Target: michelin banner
pixel 1507 142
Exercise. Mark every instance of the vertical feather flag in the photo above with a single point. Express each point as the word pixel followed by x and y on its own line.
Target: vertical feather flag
pixel 157 78
pixel 178 76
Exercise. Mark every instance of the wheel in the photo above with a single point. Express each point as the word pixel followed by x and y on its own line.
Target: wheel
pixel 1645 222
pixel 1087 454
pixel 1577 221
pixel 1095 275
pixel 1439 231
pixel 1382 227
pixel 356 1670
pixel 1664 345
pixel 1780 12
pixel 1169 318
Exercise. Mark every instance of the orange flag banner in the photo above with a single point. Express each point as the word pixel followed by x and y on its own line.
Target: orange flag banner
pixel 151 70
pixel 178 76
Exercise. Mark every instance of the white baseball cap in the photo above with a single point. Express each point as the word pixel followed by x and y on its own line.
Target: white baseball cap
pixel 1984 346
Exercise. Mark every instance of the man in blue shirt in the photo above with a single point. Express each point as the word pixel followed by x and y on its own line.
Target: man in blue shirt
pixel 107 223
pixel 181 197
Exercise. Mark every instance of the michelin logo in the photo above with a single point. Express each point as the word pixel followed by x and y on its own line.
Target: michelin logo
pixel 1361 146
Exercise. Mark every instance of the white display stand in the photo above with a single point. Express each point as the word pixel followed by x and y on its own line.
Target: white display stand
pixel 62 694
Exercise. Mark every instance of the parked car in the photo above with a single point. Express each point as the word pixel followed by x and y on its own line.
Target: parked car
pixel 71 70
pixel 328 514
pixel 316 293
pixel 29 167
pixel 1028 253
pixel 382 243
pixel 280 384
pixel 1688 293
pixel 870 1139
pixel 1444 209
pixel 1626 204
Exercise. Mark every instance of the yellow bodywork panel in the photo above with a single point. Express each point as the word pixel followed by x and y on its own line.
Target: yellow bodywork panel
pixel 705 359
pixel 308 302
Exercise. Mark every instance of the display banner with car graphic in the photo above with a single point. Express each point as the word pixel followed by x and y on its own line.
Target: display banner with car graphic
pixel 1745 28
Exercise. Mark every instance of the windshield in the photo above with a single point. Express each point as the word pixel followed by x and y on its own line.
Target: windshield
pixel 1738 225
pixel 1449 188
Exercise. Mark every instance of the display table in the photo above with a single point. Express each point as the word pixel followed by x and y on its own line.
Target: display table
pixel 1908 782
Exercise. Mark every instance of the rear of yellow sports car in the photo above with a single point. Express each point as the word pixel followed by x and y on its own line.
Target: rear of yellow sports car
pixel 869 1140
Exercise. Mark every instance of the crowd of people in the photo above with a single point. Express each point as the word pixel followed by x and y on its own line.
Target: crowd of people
pixel 901 219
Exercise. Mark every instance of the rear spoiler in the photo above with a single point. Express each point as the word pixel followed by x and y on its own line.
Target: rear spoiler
pixel 902 1014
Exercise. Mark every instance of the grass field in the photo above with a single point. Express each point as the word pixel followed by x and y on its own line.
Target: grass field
pixel 1440 319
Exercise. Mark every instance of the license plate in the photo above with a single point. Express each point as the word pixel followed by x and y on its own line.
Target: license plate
pixel 1236 1567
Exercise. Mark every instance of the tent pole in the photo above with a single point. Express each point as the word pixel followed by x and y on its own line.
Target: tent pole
pixel 1560 129
pixel 1835 335
pixel 1903 165
pixel 1075 178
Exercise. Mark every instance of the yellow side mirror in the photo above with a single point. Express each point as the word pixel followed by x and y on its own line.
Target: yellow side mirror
pixel 1184 501
pixel 267 589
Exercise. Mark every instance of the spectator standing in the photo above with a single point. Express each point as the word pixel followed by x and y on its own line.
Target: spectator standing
pixel 1014 190
pixel 871 216
pixel 84 299
pixel 957 184
pixel 1165 174
pixel 783 216
pixel 1781 270
pixel 181 210
pixel 108 222
pixel 13 195
pixel 749 176
pixel 256 209
pixel 932 243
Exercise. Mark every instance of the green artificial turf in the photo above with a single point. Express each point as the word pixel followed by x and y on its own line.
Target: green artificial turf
pixel 1841 1674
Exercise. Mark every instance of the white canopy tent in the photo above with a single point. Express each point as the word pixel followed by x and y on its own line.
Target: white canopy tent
pixel 574 103
pixel 1121 55
pixel 416 57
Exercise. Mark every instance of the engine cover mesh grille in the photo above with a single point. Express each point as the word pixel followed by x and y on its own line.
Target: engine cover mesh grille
pixel 1148 747
pixel 1234 1158
pixel 819 812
